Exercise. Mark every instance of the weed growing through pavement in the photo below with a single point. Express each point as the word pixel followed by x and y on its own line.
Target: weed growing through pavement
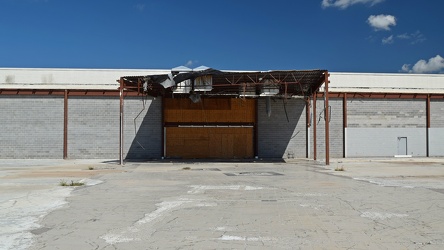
pixel 186 168
pixel 339 168
pixel 64 183
pixel 90 168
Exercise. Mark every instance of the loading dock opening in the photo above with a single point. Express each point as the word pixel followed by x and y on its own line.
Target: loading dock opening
pixel 183 85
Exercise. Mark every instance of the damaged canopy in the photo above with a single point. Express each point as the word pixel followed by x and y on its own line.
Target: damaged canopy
pixel 208 81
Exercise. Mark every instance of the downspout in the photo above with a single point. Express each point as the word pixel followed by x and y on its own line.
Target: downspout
pixel 122 83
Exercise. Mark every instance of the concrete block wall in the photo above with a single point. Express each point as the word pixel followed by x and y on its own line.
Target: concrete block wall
pixel 31 127
pixel 336 129
pixel 436 132
pixel 375 126
pixel 386 113
pixel 143 135
pixel 277 137
pixel 437 113
pixel 93 127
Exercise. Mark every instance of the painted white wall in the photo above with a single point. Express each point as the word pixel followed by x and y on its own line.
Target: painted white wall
pixel 436 139
pixel 383 142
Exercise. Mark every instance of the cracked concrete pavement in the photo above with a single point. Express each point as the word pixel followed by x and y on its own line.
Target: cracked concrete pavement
pixel 373 204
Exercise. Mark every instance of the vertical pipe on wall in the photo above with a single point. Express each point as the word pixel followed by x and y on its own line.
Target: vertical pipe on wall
pixel 314 127
pixel 344 125
pixel 65 125
pixel 428 124
pixel 307 127
pixel 121 121
pixel 327 121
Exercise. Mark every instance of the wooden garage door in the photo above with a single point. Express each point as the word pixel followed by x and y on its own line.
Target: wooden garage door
pixel 201 142
pixel 213 128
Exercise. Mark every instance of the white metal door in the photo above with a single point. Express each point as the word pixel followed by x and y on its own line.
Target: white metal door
pixel 402 145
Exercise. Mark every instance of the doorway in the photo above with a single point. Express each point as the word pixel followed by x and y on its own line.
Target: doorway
pixel 402 145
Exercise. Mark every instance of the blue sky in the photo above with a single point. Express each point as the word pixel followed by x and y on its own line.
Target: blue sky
pixel 337 35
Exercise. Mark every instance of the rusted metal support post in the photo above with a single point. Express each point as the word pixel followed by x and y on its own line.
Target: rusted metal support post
pixel 65 125
pixel 162 131
pixel 428 124
pixel 307 127
pixel 122 84
pixel 256 130
pixel 327 121
pixel 314 127
pixel 344 124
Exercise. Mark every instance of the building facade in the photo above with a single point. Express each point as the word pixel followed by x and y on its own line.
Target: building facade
pixel 75 113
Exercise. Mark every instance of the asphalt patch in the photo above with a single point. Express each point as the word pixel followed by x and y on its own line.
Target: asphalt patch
pixel 253 174
pixel 41 230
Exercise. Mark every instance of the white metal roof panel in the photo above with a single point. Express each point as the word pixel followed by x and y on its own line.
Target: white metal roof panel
pixel 60 78
pixel 386 83
pixel 39 78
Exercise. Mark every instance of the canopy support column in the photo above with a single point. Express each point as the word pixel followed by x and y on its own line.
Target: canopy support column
pixel 327 121
pixel 65 125
pixel 344 125
pixel 314 127
pixel 307 127
pixel 428 123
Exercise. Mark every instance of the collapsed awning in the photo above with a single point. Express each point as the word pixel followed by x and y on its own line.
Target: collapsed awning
pixel 208 81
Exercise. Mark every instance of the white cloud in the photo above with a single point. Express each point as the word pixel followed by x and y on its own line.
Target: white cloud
pixel 190 63
pixel 404 36
pixel 416 37
pixel 344 4
pixel 388 40
pixel 434 65
pixel 140 7
pixel 412 38
pixel 381 22
pixel 405 68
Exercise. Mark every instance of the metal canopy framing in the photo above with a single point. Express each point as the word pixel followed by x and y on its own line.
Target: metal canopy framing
pixel 285 83
pixel 251 84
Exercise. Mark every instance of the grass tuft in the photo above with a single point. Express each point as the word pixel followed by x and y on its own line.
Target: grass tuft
pixel 90 168
pixel 64 183
pixel 186 168
pixel 341 168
